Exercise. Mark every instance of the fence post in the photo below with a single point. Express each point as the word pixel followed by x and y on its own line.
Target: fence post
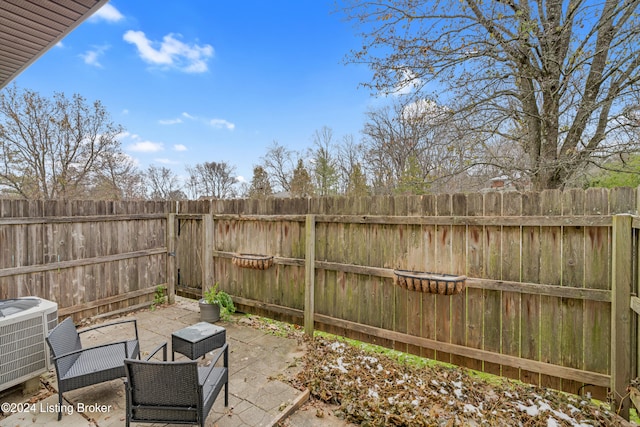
pixel 171 258
pixel 309 273
pixel 622 267
pixel 207 251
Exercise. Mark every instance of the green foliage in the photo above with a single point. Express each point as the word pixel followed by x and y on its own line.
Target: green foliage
pixel 260 185
pixel 619 174
pixel 412 179
pixel 159 296
pixel 301 185
pixel 223 299
pixel 357 185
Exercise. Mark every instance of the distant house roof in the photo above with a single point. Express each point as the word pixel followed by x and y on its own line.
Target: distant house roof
pixel 29 28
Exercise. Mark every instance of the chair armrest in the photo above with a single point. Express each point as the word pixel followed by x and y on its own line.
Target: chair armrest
pixel 162 346
pixel 223 350
pixel 93 349
pixel 104 325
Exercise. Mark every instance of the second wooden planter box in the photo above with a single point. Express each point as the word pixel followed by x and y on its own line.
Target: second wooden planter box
pixel 433 283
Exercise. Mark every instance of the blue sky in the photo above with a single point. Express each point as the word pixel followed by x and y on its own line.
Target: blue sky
pixel 195 81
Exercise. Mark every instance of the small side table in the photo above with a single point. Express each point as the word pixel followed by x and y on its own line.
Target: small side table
pixel 197 340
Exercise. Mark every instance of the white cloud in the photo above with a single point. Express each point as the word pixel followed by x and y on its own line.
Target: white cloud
pixel 188 116
pixel 241 179
pixel 166 161
pixel 146 147
pixel 408 82
pixel 180 147
pixel 221 123
pixel 170 121
pixel 91 57
pixel 59 44
pixel 171 52
pixel 424 109
pixel 125 111
pixel 107 13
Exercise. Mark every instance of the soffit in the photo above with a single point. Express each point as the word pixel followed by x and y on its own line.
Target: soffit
pixel 29 28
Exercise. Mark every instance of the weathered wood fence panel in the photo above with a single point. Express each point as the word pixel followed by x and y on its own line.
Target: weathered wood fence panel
pixel 539 268
pixel 91 258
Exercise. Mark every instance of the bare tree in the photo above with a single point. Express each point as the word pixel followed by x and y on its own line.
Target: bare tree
pixel 411 142
pixel 279 163
pixel 214 179
pixel 350 157
pixel 325 167
pixel 118 178
pixel 556 77
pixel 163 184
pixel 52 147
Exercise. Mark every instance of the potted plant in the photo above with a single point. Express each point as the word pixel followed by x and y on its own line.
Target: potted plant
pixel 215 304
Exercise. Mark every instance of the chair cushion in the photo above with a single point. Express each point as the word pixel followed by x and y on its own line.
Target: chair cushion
pixel 101 359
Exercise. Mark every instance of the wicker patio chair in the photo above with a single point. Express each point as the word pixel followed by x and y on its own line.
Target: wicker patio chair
pixel 174 392
pixel 78 367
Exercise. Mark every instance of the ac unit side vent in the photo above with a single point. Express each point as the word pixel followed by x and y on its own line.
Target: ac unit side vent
pixel 23 350
pixel 52 320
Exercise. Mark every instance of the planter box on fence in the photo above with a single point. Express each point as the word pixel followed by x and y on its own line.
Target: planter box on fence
pixel 257 262
pixel 434 283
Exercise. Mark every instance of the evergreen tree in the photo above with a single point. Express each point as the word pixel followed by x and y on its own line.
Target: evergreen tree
pixel 301 185
pixel 260 185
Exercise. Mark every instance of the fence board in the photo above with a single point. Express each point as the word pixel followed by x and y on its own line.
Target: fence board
pixel 511 308
pixel 530 304
pixel 551 273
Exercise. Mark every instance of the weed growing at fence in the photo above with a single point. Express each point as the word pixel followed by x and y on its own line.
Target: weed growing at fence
pixel 159 296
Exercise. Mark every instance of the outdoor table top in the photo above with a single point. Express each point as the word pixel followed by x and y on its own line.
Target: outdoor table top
pixel 198 332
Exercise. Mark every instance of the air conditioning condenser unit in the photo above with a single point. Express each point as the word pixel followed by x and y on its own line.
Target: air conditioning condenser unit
pixel 24 324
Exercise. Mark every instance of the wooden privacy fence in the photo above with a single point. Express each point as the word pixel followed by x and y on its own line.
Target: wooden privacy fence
pixel 550 277
pixel 92 258
pixel 551 294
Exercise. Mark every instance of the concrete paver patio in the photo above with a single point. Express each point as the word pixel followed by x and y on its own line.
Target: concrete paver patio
pixel 259 363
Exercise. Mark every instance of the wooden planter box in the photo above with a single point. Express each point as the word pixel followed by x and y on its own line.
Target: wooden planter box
pixel 433 283
pixel 257 262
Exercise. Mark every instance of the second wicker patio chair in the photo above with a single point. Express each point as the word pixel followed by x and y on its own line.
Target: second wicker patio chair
pixel 174 392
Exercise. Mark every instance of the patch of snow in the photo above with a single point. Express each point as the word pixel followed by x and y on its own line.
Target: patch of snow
pixel 341 366
pixel 337 347
pixel 532 410
pixel 369 359
pixel 469 408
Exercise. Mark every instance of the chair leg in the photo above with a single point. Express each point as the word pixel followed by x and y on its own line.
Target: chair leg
pixel 59 404
pixel 226 385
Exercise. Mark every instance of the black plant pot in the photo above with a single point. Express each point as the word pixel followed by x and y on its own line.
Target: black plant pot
pixel 209 312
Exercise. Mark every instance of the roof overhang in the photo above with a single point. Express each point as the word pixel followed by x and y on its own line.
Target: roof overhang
pixel 29 28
